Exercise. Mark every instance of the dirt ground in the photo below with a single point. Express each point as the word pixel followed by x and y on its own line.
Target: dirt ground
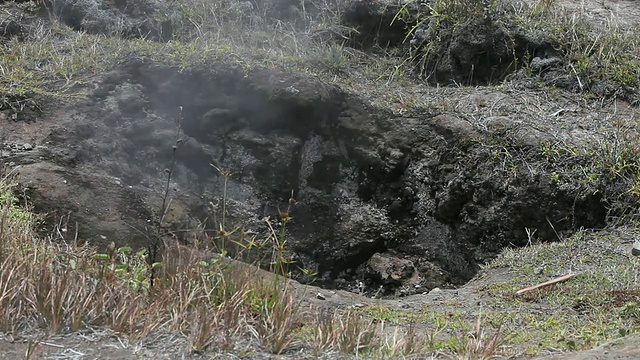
pixel 625 14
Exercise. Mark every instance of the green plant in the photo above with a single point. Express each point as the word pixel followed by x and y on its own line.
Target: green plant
pixel 631 309
pixel 478 344
pixel 333 58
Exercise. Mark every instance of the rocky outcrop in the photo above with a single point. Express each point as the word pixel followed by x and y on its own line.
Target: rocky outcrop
pixel 459 43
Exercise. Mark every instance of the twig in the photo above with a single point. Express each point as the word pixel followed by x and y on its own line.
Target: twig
pixel 553 228
pixel 51 344
pixel 547 283
pixel 75 352
pixel 155 242
pixel 577 77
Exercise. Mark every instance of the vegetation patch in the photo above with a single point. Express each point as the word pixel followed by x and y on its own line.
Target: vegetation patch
pixel 50 287
pixel 471 42
pixel 592 308
pixel 597 306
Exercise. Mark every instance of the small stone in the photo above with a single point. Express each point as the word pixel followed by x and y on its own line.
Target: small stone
pixel 292 90
pixel 320 296
pixel 636 248
pixel 541 64
pixel 27 146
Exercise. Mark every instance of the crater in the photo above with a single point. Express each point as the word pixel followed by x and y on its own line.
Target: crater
pixel 377 202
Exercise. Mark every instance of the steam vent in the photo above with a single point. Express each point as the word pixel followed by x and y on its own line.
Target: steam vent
pixel 408 152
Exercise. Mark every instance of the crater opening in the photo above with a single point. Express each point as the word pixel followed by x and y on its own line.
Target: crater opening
pixel 370 204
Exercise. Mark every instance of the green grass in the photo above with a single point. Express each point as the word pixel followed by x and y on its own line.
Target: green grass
pixel 601 304
pixel 596 306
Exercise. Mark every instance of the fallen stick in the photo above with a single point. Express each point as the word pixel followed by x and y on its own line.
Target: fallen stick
pixel 547 283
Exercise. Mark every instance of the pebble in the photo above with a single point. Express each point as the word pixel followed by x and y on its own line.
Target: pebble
pixel 636 248
pixel 27 146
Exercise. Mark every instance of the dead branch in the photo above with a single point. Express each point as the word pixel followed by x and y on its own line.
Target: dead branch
pixel 547 283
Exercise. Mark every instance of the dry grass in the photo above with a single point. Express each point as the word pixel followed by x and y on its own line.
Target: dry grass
pixel 60 287
pixel 479 344
pixel 50 287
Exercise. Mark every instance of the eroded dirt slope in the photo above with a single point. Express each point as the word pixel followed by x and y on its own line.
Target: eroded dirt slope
pixel 435 191
pixel 396 194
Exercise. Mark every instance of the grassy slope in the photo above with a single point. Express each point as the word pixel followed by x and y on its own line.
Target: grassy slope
pixel 600 304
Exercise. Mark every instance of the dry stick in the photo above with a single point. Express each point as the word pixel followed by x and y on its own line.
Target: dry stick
pixel 155 242
pixel 547 283
pixel 577 77
pixel 553 228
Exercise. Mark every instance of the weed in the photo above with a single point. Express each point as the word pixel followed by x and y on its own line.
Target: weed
pixel 356 333
pixel 203 328
pixel 402 342
pixel 478 344
pixel 277 322
pixel 67 287
pixel 333 58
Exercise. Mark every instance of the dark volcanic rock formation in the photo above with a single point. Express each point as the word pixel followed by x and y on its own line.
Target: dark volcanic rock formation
pixel 407 202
